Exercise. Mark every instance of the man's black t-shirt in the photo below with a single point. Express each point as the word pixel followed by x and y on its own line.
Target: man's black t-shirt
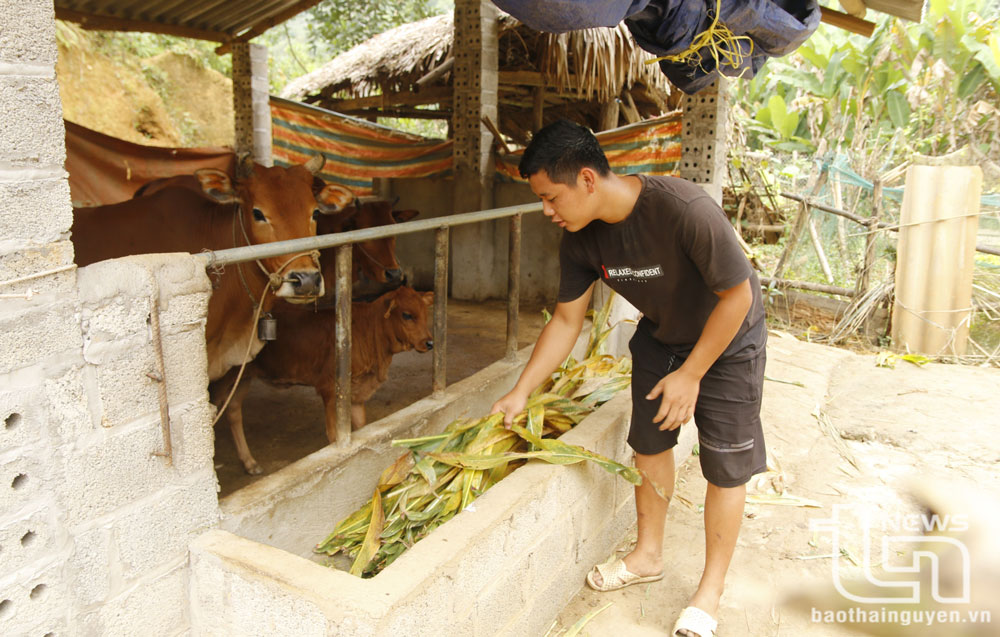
pixel 667 258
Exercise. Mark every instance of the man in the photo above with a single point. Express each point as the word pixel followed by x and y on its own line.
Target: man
pixel 667 247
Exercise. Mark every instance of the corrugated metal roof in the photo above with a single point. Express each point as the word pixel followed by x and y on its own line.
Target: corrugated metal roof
pixel 217 20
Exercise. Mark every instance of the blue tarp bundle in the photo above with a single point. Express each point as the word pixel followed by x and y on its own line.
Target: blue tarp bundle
pixel 560 16
pixel 667 27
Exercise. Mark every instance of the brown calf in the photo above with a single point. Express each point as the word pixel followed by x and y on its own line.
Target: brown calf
pixel 393 323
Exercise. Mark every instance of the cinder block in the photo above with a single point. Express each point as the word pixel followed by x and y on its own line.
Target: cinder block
pixel 38 211
pixel 186 364
pixel 158 532
pixel 193 437
pixel 28 539
pixel 116 467
pixel 31 132
pixel 34 259
pixel 23 479
pixel 23 416
pixel 68 408
pixel 118 318
pixel 33 332
pixel 157 607
pixel 27 33
pixel 491 610
pixel 89 566
pixel 36 603
pixel 436 610
pixel 126 393
pixel 183 312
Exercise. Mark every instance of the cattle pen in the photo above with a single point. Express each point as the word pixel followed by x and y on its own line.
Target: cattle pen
pixel 343 241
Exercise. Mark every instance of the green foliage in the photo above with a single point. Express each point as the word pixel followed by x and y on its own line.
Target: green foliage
pixel 146 45
pixel 338 25
pixel 929 88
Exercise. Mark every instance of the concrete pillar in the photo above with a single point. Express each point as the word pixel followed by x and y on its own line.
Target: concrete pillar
pixel 251 102
pixel 475 97
pixel 703 137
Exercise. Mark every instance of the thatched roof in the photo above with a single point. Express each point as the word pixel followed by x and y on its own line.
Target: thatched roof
pixel 406 72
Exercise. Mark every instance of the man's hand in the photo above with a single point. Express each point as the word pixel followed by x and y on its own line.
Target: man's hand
pixel 511 405
pixel 680 393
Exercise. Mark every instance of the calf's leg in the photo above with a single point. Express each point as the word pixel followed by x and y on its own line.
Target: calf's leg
pixel 358 417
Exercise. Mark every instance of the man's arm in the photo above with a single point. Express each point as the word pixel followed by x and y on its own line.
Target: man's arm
pixel 553 346
pixel 680 388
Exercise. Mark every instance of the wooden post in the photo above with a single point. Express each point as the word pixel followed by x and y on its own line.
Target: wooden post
pixel 870 236
pixel 537 109
pixel 440 330
pixel 513 284
pixel 342 336
pixel 800 223
pixel 609 115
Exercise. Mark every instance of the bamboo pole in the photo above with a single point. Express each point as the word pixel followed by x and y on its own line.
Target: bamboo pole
pixel 440 363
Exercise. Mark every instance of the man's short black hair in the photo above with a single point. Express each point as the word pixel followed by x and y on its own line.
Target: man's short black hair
pixel 561 149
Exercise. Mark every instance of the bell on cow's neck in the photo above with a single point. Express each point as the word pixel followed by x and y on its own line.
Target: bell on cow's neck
pixel 267 328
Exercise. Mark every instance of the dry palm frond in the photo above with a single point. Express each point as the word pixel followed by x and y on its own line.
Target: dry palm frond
pixel 440 475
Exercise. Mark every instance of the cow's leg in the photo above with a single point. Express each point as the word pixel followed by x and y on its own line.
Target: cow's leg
pixel 234 415
pixel 358 417
pixel 329 397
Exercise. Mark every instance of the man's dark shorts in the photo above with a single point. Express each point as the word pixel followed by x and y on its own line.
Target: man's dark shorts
pixel 727 413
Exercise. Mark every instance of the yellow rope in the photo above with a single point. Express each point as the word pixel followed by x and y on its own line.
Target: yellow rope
pixel 723 44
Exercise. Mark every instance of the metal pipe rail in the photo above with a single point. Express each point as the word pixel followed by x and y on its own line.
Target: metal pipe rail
pixel 342 241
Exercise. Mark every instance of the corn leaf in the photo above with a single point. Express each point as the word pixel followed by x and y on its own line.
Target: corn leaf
pixel 371 544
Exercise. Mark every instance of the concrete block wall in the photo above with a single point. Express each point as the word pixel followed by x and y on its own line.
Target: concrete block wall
pixel 93 526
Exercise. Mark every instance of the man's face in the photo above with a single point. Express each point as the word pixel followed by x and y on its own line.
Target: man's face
pixel 566 205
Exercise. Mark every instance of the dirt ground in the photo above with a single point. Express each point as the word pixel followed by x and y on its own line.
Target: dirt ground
pixel 938 423
pixel 283 425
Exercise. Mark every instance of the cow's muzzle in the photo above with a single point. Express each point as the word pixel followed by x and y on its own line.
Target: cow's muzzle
pixel 429 345
pixel 394 276
pixel 304 283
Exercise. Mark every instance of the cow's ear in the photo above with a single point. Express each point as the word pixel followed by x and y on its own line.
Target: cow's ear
pixel 428 298
pixel 315 163
pixel 388 311
pixel 404 215
pixel 217 185
pixel 333 199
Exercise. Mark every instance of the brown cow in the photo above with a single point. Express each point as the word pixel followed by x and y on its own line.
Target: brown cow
pixel 393 323
pixel 374 264
pixel 270 204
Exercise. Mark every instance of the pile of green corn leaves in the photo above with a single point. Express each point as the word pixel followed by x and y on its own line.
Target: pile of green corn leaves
pixel 441 475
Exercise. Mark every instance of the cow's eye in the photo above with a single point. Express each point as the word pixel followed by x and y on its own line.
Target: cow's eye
pixel 316 214
pixel 407 316
pixel 258 215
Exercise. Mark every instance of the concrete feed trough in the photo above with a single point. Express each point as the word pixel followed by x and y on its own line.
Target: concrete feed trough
pixel 505 566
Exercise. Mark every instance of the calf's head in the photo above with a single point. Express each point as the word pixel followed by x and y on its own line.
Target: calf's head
pixel 276 204
pixel 404 313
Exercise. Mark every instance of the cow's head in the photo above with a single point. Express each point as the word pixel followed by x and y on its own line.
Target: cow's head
pixel 375 268
pixel 405 312
pixel 276 204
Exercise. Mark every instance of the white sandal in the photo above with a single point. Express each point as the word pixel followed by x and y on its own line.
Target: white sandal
pixel 697 621
pixel 614 575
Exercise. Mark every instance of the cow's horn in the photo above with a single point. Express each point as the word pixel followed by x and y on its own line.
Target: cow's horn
pixel 316 163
